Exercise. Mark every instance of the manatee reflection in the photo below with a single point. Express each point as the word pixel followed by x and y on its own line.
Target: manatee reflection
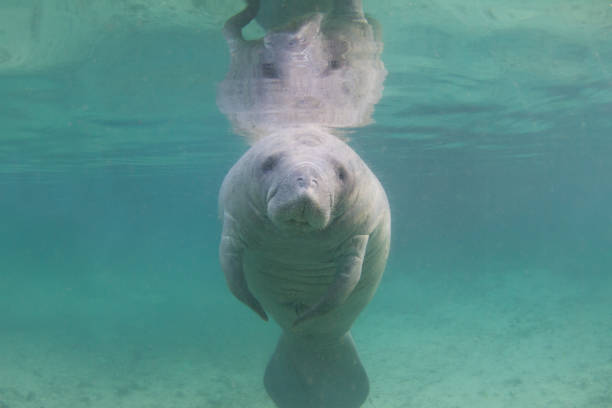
pixel 321 67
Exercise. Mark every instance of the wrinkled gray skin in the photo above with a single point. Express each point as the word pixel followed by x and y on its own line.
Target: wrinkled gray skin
pixel 320 68
pixel 306 231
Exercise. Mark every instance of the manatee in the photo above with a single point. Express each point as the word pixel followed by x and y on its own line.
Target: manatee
pixel 314 68
pixel 306 232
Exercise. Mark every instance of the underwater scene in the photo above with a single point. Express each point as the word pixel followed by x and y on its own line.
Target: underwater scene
pixel 416 195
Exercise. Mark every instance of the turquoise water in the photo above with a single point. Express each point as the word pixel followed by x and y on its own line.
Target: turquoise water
pixel 492 140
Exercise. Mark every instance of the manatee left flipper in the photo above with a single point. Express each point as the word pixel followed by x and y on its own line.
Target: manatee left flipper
pixel 348 9
pixel 234 25
pixel 348 274
pixel 231 252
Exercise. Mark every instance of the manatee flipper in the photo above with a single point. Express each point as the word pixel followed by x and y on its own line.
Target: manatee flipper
pixel 348 273
pixel 234 25
pixel 314 374
pixel 348 8
pixel 231 250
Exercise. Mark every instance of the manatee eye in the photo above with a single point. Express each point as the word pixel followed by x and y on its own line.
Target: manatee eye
pixel 268 70
pixel 335 64
pixel 341 172
pixel 270 163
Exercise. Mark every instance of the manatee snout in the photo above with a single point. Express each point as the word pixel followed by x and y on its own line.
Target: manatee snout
pixel 302 199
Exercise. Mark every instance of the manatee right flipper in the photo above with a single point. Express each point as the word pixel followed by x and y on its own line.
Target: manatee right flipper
pixel 231 252
pixel 316 374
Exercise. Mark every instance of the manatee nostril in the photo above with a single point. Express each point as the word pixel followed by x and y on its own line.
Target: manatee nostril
pixel 305 182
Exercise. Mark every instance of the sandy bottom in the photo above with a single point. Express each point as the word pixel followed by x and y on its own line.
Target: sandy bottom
pixel 516 338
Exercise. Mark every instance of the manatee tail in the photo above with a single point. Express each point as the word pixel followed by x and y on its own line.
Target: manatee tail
pixel 314 374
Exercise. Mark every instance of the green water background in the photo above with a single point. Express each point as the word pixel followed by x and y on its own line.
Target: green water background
pixel 493 141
